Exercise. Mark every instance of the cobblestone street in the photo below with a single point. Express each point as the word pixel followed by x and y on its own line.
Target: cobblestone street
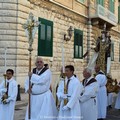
pixel 20 113
pixel 20 110
pixel 113 114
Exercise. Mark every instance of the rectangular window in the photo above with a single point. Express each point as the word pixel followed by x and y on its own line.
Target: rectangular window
pixel 78 43
pixel 119 52
pixel 82 1
pixel 111 5
pixel 119 14
pixel 45 38
pixel 112 51
pixel 101 2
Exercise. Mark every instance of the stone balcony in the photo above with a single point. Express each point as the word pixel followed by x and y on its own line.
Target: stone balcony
pixel 102 15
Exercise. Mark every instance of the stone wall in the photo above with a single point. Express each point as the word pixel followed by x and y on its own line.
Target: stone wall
pixel 17 43
pixel 115 65
pixel 8 34
pixel 62 19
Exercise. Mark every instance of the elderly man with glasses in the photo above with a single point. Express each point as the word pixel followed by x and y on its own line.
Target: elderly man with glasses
pixel 42 102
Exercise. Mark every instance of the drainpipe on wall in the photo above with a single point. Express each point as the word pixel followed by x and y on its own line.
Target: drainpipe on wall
pixel 89 29
pixel 16 38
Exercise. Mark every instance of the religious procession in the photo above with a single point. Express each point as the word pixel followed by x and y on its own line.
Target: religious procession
pixel 63 56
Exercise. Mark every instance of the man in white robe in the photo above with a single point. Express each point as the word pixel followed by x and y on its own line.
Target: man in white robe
pixel 109 100
pixel 8 104
pixel 102 93
pixel 117 103
pixel 71 110
pixel 42 102
pixel 88 98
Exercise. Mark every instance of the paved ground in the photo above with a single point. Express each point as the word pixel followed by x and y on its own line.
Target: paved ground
pixel 112 114
pixel 20 108
pixel 20 113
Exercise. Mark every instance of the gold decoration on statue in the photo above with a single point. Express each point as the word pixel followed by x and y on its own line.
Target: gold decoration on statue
pixel 101 56
pixel 112 85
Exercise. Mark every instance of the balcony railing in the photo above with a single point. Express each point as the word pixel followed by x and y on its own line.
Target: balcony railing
pixel 100 12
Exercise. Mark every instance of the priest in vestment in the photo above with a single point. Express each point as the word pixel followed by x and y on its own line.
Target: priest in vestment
pixel 7 105
pixel 102 93
pixel 70 111
pixel 42 102
pixel 88 98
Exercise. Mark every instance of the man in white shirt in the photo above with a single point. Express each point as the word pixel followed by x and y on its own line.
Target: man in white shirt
pixel 42 102
pixel 88 97
pixel 71 110
pixel 7 104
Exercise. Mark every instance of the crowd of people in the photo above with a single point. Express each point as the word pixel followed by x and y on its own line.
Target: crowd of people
pixel 85 99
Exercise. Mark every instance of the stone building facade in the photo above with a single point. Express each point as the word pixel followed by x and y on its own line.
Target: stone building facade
pixel 62 14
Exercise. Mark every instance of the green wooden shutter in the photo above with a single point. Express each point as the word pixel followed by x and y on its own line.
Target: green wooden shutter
pixel 119 14
pixel 111 6
pixel 81 45
pixel 78 43
pixel 119 52
pixel 101 2
pixel 112 51
pixel 81 1
pixel 45 38
pixel 49 40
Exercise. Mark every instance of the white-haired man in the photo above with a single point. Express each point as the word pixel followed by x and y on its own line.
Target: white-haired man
pixel 88 96
pixel 42 102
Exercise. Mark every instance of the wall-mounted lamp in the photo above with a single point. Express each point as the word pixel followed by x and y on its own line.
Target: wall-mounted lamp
pixel 68 36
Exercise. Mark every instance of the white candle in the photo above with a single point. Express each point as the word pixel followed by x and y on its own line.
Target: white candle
pixel 5 60
pixel 63 66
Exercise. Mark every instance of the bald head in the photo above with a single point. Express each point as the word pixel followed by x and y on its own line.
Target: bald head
pixel 97 68
pixel 39 58
pixel 39 63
